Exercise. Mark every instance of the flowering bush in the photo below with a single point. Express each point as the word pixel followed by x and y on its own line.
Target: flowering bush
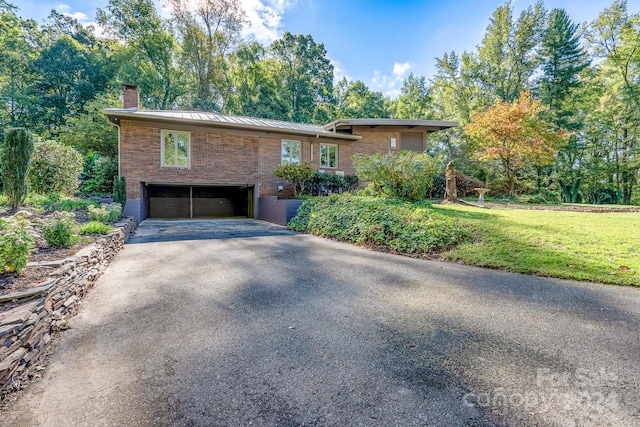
pixel 105 213
pixel 59 229
pixel 17 240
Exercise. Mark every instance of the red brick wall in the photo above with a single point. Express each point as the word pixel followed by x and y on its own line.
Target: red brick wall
pixel 230 159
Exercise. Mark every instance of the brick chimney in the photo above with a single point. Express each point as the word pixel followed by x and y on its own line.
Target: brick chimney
pixel 131 95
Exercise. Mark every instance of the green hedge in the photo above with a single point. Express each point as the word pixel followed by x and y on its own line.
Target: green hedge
pixel 394 225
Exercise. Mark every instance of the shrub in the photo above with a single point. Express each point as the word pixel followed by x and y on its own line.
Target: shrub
pixel 66 204
pixel 59 229
pixel 105 214
pixel 15 158
pixel 55 167
pixel 98 174
pixel 406 176
pixel 120 190
pixel 395 225
pixel 17 240
pixel 95 227
pixel 298 174
pixel 544 196
pixel 322 184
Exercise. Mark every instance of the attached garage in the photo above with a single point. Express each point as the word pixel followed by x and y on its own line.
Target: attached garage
pixel 199 201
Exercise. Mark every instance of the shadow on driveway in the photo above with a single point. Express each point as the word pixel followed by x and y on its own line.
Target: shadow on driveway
pixel 159 230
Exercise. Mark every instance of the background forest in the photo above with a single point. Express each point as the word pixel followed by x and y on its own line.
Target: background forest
pixel 582 79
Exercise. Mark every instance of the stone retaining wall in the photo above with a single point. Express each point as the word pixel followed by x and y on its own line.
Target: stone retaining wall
pixel 29 318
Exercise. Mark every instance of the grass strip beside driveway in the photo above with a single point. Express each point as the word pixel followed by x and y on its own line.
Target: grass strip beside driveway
pixel 598 247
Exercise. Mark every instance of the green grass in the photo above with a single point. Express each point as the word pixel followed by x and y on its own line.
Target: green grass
pixel 570 245
pixel 95 227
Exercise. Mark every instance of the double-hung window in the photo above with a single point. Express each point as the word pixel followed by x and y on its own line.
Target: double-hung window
pixel 176 149
pixel 290 152
pixel 328 156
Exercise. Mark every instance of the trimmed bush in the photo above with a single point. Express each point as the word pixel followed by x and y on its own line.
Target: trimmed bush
pixel 406 176
pixel 17 240
pixel 105 214
pixel 15 158
pixel 59 229
pixel 55 168
pixel 394 225
pixel 95 227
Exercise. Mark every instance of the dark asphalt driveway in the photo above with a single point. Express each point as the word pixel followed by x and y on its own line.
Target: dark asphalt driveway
pixel 235 323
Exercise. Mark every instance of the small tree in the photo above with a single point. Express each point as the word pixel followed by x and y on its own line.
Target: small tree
pixel 407 175
pixel 298 174
pixel 15 158
pixel 55 167
pixel 119 190
pixel 514 135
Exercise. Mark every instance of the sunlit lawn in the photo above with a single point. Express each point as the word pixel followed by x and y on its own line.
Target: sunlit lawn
pixel 599 247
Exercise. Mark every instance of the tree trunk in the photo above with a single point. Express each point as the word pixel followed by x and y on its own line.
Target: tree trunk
pixel 451 192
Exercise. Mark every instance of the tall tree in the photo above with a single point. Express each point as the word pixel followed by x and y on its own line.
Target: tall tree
pixel 209 32
pixel 514 135
pixel 506 58
pixel 414 101
pixel 254 88
pixel 17 73
pixel 562 59
pixel 356 100
pixel 70 75
pixel 615 37
pixel 305 77
pixel 147 51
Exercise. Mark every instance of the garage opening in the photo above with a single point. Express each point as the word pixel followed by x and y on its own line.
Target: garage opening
pixel 199 201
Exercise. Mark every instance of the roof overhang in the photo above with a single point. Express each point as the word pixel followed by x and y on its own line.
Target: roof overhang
pixel 423 125
pixel 201 119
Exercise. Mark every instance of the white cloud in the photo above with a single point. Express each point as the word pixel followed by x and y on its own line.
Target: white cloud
pixel 78 16
pixel 265 18
pixel 63 7
pixel 338 71
pixel 388 85
pixel 399 69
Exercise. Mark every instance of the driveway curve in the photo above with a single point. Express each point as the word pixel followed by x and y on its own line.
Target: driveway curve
pixel 240 322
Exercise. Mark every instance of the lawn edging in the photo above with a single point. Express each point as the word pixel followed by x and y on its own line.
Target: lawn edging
pixel 29 318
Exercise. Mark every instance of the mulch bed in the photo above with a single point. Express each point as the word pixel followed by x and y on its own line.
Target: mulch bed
pixel 32 275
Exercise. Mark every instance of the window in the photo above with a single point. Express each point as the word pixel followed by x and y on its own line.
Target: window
pixel 290 152
pixel 176 152
pixel 328 156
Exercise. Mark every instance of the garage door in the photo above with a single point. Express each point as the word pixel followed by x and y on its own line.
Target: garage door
pixel 174 201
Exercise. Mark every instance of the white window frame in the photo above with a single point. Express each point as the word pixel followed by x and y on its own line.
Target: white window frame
pixel 323 159
pixel 283 160
pixel 162 149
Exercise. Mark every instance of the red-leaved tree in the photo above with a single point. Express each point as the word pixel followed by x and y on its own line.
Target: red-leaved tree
pixel 515 136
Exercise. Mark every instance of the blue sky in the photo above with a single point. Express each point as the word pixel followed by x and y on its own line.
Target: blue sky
pixel 379 42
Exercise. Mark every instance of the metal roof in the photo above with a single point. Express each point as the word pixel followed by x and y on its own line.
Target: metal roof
pixel 438 124
pixel 231 122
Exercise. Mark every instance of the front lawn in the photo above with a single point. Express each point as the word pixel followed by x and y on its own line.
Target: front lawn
pixel 599 247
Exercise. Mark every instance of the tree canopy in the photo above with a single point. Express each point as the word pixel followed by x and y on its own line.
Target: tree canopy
pixel 583 81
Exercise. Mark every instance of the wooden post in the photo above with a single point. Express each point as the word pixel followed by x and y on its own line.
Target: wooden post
pixel 451 193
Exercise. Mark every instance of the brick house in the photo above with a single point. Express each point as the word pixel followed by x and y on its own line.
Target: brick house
pixel 187 164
